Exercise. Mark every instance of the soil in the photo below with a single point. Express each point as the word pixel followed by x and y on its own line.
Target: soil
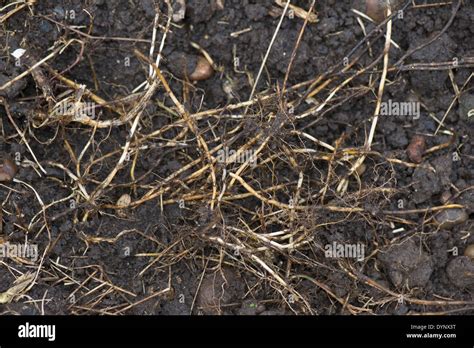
pixel 173 251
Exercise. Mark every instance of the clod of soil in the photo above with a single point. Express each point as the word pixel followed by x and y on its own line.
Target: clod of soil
pixel 466 107
pixel 429 82
pixel 416 148
pixel 251 307
pixel 407 264
pixel 8 170
pixel 449 218
pixel 461 272
pixel 14 89
pixel 181 64
pixel 426 184
pixel 217 290
pixel 467 200
pixel 198 11
pixel 469 252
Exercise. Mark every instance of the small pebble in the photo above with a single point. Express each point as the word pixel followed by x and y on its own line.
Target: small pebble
pixel 124 200
pixel 203 70
pixel 469 251
pixel 416 148
pixel 361 169
pixel 179 10
pixel 8 170
pixel 449 218
pixel 377 9
pixel 445 197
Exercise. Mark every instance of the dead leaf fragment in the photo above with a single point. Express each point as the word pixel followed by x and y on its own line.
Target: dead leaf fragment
pixel 20 286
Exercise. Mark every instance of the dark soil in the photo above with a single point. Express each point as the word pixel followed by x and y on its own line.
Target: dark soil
pixel 169 251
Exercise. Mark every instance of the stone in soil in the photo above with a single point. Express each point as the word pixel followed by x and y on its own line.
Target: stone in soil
pixel 460 272
pixel 407 264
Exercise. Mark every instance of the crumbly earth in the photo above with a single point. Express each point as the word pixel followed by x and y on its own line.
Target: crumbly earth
pixel 163 256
